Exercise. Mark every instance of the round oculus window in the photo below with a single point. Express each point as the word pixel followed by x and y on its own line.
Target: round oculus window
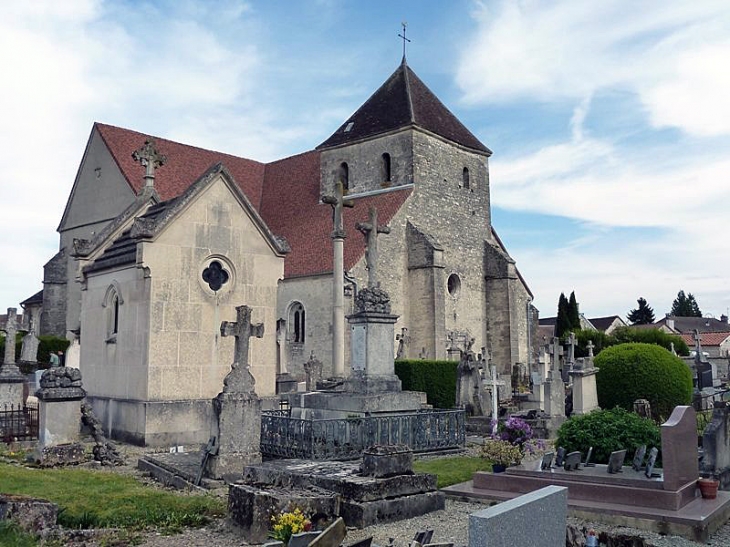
pixel 454 285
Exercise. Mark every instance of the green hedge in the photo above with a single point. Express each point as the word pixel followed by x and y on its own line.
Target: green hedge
pixel 607 431
pixel 46 345
pixel 436 378
pixel 642 371
pixel 625 335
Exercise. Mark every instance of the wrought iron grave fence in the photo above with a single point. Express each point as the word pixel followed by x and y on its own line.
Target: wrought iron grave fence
pixel 286 437
pixel 18 423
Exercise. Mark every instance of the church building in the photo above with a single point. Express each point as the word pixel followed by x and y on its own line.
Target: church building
pixel 160 241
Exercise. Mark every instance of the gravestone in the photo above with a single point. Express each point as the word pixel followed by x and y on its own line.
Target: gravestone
pixel 653 453
pixel 237 407
pixel 11 379
pixel 537 518
pixel 73 353
pixel 716 445
pixel 469 394
pixel 679 448
pixel 616 462
pixel 572 461
pixel 387 461
pixel 560 457
pixel 583 375
pixel 313 370
pixel 29 349
pixel 547 461
pixel 588 458
pixel 569 361
pixel 638 461
pixel 642 407
pixel 332 536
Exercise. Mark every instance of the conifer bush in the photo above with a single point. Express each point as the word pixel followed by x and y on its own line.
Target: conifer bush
pixel 642 371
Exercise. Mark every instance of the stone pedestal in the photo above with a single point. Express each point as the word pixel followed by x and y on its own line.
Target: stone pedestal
pixel 372 353
pixel 585 396
pixel 238 433
pixel 11 386
pixel 59 406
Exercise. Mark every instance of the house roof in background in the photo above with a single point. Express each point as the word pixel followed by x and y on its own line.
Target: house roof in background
pixel 689 324
pixel 602 323
pixel 706 338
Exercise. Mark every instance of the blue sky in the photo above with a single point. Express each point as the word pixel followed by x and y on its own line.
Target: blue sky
pixel 609 122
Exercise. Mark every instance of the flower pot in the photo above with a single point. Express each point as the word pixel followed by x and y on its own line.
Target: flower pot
pixel 708 488
pixel 498 468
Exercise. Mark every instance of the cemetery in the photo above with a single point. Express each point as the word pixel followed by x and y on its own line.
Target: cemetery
pixel 217 389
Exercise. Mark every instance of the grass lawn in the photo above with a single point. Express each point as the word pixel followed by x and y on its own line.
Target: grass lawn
pixel 452 470
pixel 101 499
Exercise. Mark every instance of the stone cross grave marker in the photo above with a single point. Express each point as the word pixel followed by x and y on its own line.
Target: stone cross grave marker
pixel 240 378
pixel 29 350
pixel 151 159
pixel 555 349
pixel 371 230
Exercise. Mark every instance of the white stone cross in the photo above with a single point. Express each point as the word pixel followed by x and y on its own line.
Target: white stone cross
pixel 338 201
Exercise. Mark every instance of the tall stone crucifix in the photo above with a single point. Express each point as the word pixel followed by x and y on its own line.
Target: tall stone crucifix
pixel 240 379
pixel 151 159
pixel 338 201
pixel 371 230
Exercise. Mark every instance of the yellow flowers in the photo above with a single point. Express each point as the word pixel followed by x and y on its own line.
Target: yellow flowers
pixel 287 524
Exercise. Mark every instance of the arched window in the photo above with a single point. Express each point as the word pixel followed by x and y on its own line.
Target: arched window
pixel 343 176
pixel 112 302
pixel 298 322
pixel 385 167
pixel 465 178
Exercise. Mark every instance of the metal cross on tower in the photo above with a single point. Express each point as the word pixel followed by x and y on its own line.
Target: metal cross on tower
pixel 404 25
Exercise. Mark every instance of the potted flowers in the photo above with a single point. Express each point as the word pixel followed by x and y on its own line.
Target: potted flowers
pixel 501 453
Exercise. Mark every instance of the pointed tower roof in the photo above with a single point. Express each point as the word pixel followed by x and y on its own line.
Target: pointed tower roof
pixel 403 101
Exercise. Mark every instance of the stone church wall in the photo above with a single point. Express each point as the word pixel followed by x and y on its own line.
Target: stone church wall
pixel 188 357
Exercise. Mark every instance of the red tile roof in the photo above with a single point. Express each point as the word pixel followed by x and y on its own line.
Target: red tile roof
pixel 285 193
pixel 185 164
pixel 706 338
pixel 291 207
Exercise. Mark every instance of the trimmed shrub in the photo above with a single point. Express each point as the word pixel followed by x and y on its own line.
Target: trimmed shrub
pixel 624 335
pixel 607 431
pixel 642 371
pixel 436 378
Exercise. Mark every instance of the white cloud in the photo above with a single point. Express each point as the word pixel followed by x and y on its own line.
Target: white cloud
pixel 670 53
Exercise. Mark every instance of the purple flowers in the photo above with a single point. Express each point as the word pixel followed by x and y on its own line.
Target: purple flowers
pixel 515 430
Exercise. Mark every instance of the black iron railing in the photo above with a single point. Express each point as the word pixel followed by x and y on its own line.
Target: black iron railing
pixel 18 423
pixel 343 439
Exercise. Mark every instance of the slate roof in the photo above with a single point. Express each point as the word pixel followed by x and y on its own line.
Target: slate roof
pixel 602 323
pixel 403 101
pixel 706 338
pixel 689 324
pixel 37 298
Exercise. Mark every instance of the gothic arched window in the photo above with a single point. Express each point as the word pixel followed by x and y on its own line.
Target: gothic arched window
pixel 112 301
pixel 465 178
pixel 298 323
pixel 343 176
pixel 385 167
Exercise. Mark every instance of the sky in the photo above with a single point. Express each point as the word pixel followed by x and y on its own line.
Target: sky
pixel 609 122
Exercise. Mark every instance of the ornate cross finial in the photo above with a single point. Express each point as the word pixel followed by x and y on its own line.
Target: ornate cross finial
pixel 338 201
pixel 151 159
pixel 404 25
pixel 240 378
pixel 371 230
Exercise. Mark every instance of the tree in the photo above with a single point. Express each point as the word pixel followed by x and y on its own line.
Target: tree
pixel 562 321
pixel 643 315
pixel 573 315
pixel 685 306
